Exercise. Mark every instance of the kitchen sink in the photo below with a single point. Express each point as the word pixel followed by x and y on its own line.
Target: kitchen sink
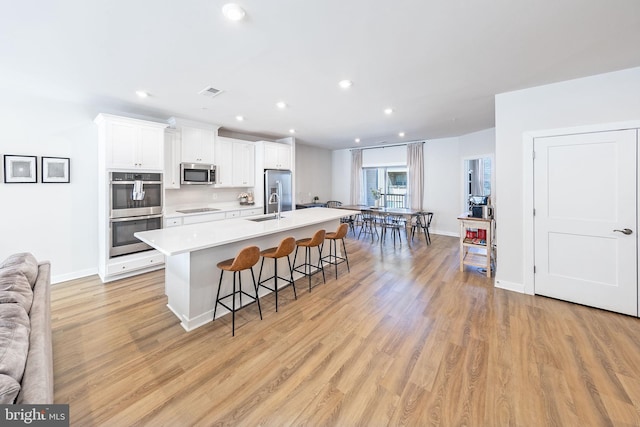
pixel 197 210
pixel 264 218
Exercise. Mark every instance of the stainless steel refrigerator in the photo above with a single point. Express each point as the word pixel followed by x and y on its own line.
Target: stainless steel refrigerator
pixel 271 179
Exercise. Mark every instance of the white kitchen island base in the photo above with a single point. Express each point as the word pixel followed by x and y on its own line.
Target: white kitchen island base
pixel 193 252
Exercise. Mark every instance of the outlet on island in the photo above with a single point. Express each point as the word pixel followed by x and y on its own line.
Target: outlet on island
pixel 215 196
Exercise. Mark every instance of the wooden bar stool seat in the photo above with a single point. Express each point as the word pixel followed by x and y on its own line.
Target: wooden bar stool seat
pixel 316 241
pixel 333 257
pixel 284 249
pixel 245 260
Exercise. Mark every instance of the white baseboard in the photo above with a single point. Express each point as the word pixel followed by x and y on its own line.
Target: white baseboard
pixel 73 275
pixel 510 286
pixel 445 233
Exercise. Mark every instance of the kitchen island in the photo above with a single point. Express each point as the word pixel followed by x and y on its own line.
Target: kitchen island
pixel 193 251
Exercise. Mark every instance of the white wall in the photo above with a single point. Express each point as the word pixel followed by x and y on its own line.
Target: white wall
pixel 610 97
pixel 443 184
pixel 444 160
pixel 313 174
pixel 341 176
pixel 55 222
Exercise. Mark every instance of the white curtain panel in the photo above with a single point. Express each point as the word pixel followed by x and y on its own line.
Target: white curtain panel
pixel 356 177
pixel 415 166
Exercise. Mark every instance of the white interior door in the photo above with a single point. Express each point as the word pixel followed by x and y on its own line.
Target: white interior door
pixel 585 188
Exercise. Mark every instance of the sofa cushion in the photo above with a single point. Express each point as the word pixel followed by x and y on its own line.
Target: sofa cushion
pixel 15 288
pixel 14 340
pixel 26 263
pixel 9 389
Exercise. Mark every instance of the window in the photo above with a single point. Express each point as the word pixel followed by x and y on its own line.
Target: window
pixel 391 181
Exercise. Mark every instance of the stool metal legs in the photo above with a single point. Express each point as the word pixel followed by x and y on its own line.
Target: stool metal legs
pixel 333 257
pixel 306 267
pixel 233 294
pixel 275 278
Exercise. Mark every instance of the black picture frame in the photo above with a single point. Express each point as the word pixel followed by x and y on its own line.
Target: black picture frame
pixel 55 170
pixel 20 169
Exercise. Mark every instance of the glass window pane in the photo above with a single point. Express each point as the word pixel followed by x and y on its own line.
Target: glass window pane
pixel 392 183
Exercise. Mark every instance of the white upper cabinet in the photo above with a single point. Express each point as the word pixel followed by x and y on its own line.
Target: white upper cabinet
pixel 172 159
pixel 224 162
pixel 277 156
pixel 197 145
pixel 235 161
pixel 131 143
pixel 244 155
pixel 197 140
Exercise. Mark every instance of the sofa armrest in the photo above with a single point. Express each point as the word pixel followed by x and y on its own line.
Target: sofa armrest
pixel 37 381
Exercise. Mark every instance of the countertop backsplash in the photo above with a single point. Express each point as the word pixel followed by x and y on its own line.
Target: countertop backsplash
pixel 192 195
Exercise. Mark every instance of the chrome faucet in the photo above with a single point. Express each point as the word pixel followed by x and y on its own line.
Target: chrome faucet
pixel 275 197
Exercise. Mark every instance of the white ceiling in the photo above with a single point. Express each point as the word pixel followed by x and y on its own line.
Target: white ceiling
pixel 437 63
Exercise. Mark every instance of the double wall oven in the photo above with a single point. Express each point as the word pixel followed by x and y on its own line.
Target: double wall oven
pixel 135 201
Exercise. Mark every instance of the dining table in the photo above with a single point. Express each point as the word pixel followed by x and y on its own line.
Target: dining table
pixel 386 211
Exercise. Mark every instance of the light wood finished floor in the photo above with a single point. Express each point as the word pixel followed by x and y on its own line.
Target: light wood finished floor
pixel 403 339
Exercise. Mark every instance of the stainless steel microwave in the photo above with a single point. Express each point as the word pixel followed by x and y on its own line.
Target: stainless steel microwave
pixel 197 173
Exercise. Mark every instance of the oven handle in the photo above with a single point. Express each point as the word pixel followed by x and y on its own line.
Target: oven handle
pixel 135 218
pixel 133 182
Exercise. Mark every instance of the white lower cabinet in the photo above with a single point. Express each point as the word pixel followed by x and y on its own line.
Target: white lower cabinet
pixel 172 222
pixel 251 212
pixel 217 216
pixel 196 219
pixel 142 260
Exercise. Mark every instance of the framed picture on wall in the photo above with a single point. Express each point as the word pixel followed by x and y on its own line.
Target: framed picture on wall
pixel 55 169
pixel 20 169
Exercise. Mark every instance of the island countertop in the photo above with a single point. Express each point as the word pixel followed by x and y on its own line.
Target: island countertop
pixel 188 238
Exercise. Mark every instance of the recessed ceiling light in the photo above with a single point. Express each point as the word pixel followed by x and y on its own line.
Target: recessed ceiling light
pixel 401 134
pixel 388 110
pixel 281 105
pixel 292 131
pixel 345 84
pixel 357 140
pixel 142 94
pixel 240 118
pixel 233 12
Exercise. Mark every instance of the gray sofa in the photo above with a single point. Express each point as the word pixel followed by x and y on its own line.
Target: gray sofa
pixel 26 359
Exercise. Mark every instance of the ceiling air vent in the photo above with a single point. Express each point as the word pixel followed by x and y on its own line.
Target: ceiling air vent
pixel 210 91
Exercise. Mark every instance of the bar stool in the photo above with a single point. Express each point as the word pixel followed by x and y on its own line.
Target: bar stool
pixel 245 260
pixel 316 241
pixel 333 257
pixel 284 249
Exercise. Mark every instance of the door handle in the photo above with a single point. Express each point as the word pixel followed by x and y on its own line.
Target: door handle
pixel 626 231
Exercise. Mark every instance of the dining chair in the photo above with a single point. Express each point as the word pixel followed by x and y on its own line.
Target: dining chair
pixel 423 221
pixel 395 223
pixel 368 225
